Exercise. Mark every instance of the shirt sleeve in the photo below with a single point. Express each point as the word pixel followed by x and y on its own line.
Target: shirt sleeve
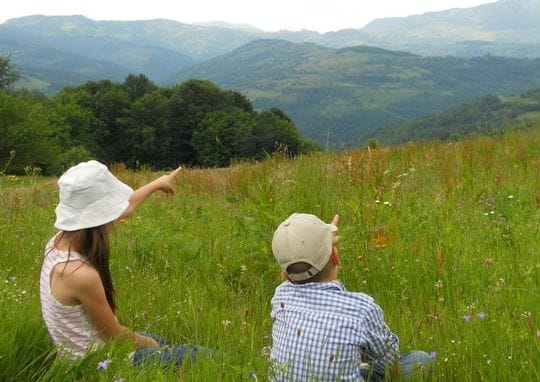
pixel 382 345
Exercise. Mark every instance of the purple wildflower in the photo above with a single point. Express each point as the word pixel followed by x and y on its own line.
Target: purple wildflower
pixel 433 355
pixel 103 364
pixel 467 317
pixel 482 315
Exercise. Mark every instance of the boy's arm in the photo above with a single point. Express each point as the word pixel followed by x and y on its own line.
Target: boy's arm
pixel 163 183
pixel 383 345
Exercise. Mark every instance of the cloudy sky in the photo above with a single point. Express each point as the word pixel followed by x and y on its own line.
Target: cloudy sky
pixel 269 15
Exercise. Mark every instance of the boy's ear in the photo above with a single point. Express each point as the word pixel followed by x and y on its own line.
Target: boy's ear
pixel 285 276
pixel 334 257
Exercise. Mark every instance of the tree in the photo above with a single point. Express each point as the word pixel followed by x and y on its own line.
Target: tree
pixel 223 136
pixel 147 133
pixel 8 74
pixel 110 105
pixel 275 131
pixel 137 86
pixel 189 104
pixel 29 132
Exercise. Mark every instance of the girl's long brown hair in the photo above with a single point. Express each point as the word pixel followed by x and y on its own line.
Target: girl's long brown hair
pixel 93 245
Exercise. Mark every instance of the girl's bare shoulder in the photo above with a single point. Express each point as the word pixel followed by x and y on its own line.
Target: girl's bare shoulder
pixel 78 274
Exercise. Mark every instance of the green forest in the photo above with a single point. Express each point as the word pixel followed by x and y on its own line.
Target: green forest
pixel 138 123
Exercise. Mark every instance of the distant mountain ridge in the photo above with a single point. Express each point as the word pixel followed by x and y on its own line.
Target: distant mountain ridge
pixel 498 25
pixel 159 48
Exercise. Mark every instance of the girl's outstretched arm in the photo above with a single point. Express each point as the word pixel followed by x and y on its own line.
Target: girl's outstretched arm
pixel 164 183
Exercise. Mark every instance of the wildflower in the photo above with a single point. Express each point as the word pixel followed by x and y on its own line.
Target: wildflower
pixel 439 284
pixel 226 323
pixel 510 196
pixel 433 355
pixel 104 364
pixel 377 201
pixel 266 351
pixel 489 261
pixel 467 317
pixel 482 315
pixel 538 334
pixel 388 204
pixel 119 380
pixel 252 375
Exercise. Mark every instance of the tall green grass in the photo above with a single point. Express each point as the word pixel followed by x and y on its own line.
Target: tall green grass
pixel 434 232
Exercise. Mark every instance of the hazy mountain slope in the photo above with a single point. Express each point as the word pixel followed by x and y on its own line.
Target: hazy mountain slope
pixel 502 24
pixel 350 92
pixel 47 69
pixel 82 36
pixel 501 15
pixel 196 42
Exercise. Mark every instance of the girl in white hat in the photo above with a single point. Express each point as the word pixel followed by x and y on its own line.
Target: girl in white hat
pixel 76 289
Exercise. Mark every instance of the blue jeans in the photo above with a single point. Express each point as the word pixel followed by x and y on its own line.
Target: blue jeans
pixel 410 364
pixel 167 355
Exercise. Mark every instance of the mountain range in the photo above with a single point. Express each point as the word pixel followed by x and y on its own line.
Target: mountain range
pixel 333 84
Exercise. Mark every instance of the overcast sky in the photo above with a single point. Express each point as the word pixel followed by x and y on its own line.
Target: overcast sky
pixel 269 15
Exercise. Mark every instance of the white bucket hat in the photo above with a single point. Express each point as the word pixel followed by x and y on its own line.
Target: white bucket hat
pixel 90 196
pixel 303 238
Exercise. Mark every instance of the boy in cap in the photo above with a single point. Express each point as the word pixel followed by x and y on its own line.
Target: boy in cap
pixel 321 332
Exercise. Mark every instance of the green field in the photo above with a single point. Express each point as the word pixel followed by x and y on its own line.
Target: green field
pixel 434 232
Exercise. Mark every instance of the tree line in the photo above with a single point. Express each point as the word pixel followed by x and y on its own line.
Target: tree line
pixel 137 123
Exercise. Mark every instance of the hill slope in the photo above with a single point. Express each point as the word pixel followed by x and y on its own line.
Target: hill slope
pixel 341 94
pixel 485 115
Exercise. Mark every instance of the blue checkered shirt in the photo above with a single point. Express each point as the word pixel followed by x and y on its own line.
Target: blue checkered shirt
pixel 321 332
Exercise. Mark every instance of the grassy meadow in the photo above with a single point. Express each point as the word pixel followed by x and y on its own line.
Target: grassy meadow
pixel 445 237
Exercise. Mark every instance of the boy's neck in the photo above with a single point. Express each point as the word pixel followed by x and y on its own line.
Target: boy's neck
pixel 331 276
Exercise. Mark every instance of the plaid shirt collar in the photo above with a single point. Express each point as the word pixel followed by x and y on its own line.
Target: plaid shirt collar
pixel 328 285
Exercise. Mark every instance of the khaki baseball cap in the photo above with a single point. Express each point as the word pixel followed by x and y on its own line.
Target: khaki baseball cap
pixel 303 238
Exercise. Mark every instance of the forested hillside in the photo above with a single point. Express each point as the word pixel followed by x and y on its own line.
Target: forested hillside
pixel 485 115
pixel 337 96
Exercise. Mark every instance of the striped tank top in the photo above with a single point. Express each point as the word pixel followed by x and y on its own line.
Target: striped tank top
pixel 69 325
